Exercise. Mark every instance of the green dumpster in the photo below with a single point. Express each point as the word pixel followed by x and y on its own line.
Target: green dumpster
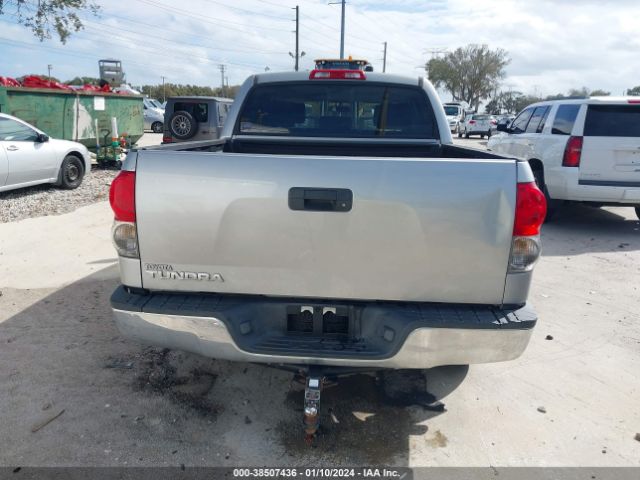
pixel 72 115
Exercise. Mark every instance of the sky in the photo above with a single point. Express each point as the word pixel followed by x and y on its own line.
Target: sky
pixel 554 45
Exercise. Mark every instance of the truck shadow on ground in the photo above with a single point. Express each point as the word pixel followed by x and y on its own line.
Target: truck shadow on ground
pixel 577 229
pixel 373 417
pixel 149 405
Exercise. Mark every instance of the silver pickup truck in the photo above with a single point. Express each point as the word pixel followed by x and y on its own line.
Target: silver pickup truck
pixel 334 224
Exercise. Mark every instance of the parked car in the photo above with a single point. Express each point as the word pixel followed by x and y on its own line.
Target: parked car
pixel 153 119
pixel 504 120
pixel 29 157
pixel 153 115
pixel 455 115
pixel 477 124
pixel 583 150
pixel 194 118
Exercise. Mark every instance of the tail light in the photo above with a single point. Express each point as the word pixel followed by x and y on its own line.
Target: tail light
pixel 531 208
pixel 337 75
pixel 572 152
pixel 472 122
pixel 122 197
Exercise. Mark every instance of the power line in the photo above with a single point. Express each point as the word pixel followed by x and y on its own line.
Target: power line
pixel 206 37
pixel 247 11
pixel 153 46
pixel 270 3
pixel 206 19
pixel 161 53
pixel 179 41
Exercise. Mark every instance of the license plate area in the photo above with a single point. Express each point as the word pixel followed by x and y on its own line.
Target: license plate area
pixel 316 320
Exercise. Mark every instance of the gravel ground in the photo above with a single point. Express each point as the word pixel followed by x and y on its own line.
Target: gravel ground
pixel 46 199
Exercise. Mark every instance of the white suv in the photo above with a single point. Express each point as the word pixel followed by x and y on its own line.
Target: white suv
pixel 585 150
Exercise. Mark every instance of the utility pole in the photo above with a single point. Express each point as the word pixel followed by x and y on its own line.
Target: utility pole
pixel 384 58
pixel 222 70
pixel 342 32
pixel 297 33
pixel 298 54
pixel 342 2
pixel 164 90
pixel 49 68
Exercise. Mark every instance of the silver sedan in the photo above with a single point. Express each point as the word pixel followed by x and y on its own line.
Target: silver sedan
pixel 29 157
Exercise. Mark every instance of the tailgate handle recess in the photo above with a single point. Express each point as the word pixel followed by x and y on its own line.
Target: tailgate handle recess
pixel 320 199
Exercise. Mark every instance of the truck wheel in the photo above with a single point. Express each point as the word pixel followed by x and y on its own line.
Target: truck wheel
pixel 182 125
pixel 71 172
pixel 157 127
pixel 638 212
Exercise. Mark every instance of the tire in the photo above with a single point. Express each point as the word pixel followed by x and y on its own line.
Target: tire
pixel 638 212
pixel 552 205
pixel 157 127
pixel 466 134
pixel 182 125
pixel 459 134
pixel 482 135
pixel 71 172
pixel 489 134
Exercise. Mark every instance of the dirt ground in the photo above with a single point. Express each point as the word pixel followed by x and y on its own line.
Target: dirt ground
pixel 570 400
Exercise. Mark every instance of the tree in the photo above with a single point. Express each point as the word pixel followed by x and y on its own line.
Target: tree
pixel 83 81
pixel 43 16
pixel 470 73
pixel 635 91
pixel 599 93
pixel 504 102
pixel 523 101
pixel 579 92
pixel 173 90
pixel 43 77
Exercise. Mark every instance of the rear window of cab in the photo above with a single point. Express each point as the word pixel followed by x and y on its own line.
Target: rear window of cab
pixel 338 109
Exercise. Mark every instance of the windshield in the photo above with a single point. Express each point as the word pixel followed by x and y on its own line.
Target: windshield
pixel 448 110
pixel 338 109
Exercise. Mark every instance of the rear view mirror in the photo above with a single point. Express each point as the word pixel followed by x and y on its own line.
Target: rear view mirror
pixel 42 138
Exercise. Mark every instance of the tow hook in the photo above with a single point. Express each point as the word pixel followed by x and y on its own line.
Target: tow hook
pixel 311 419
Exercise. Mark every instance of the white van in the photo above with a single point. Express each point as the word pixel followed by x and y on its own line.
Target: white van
pixel 584 150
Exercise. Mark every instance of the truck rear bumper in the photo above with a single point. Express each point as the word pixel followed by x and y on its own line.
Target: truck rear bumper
pixel 378 334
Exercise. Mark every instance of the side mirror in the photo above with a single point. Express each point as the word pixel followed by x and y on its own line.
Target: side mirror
pixel 42 138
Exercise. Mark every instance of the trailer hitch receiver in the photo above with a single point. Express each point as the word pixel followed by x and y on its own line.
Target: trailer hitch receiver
pixel 312 391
